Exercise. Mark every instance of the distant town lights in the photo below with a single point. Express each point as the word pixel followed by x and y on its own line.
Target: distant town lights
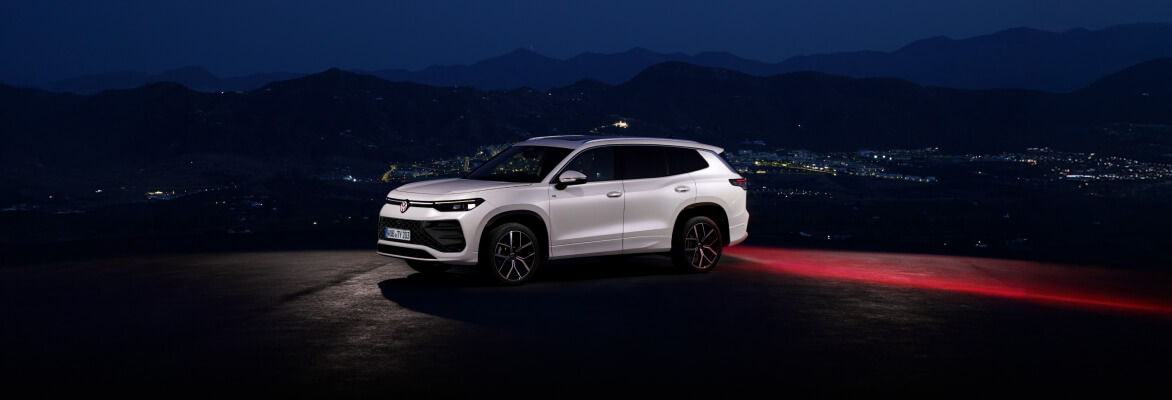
pixel 620 124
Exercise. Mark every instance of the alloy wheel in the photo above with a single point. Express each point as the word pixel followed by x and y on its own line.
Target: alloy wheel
pixel 514 255
pixel 701 244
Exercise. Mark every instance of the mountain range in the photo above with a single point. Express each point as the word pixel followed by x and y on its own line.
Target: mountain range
pixel 196 78
pixel 1021 58
pixel 1016 58
pixel 165 132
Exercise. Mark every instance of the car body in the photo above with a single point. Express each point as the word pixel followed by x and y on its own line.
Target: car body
pixel 570 196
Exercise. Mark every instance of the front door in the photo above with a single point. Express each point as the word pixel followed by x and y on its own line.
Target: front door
pixel 588 218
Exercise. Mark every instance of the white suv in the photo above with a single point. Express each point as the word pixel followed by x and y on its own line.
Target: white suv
pixel 570 196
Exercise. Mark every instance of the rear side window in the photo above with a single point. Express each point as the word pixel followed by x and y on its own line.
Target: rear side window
pixel 639 162
pixel 682 161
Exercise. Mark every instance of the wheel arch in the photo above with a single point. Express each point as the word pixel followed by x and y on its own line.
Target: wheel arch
pixel 710 210
pixel 525 217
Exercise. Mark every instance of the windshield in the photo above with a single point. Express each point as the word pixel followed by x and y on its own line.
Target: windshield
pixel 525 164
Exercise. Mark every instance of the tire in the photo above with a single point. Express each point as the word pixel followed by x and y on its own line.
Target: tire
pixel 428 267
pixel 689 256
pixel 511 253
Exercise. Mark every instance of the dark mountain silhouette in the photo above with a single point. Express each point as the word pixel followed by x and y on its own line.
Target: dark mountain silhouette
pixel 310 119
pixel 1139 80
pixel 339 117
pixel 93 83
pixel 1021 58
pixel 1140 94
pixel 196 78
pixel 828 112
pixel 1015 58
pixel 525 68
pixel 518 68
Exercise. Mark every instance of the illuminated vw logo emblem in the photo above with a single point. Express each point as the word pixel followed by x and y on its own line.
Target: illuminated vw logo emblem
pixel 403 206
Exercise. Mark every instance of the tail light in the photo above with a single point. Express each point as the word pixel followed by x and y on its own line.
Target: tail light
pixel 741 182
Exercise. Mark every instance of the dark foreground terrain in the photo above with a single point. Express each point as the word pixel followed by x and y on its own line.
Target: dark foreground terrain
pixel 767 321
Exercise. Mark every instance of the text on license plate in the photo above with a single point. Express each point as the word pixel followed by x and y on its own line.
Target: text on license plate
pixel 398 234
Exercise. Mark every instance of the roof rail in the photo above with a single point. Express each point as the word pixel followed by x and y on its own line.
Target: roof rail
pixel 640 137
pixel 590 138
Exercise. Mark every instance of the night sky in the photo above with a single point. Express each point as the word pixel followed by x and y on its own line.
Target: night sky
pixel 55 39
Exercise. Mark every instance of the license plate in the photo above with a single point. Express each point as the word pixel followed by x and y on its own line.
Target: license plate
pixel 398 234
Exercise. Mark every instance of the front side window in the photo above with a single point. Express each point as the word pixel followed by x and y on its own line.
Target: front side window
pixel 597 164
pixel 524 164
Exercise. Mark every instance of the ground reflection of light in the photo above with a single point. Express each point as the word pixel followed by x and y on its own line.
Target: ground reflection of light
pixel 1051 283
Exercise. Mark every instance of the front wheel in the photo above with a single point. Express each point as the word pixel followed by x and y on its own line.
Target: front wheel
pixel 511 253
pixel 696 245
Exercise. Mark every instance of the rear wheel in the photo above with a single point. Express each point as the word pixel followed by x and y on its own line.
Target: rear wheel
pixel 697 244
pixel 428 267
pixel 511 253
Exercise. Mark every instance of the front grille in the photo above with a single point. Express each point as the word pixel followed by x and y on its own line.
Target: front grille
pixel 444 235
pixel 403 251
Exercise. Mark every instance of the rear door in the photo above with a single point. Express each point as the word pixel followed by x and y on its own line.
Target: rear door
pixel 654 197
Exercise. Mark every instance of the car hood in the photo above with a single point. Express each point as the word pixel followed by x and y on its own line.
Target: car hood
pixel 455 186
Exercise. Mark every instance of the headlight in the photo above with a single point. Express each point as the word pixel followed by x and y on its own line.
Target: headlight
pixel 445 206
pixel 457 205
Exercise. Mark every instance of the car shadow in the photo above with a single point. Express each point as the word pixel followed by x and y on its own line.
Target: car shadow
pixel 558 298
pixel 629 321
pixel 578 269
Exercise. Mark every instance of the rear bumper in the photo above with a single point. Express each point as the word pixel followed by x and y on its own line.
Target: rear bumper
pixel 738 229
pixel 735 240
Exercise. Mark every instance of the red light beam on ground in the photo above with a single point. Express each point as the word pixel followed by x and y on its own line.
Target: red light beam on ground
pixel 1071 285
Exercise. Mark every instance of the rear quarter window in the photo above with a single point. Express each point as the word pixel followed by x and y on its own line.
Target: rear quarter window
pixel 683 160
pixel 724 161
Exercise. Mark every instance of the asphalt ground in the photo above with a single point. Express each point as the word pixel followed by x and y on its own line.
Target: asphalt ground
pixel 766 321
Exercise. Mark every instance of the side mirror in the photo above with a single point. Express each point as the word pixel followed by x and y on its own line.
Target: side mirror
pixel 570 177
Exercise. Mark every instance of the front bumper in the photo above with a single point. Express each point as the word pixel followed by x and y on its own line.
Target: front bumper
pixel 447 237
pixel 442 235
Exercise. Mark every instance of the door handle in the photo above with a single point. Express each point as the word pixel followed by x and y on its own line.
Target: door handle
pixel 682 189
pixel 614 194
